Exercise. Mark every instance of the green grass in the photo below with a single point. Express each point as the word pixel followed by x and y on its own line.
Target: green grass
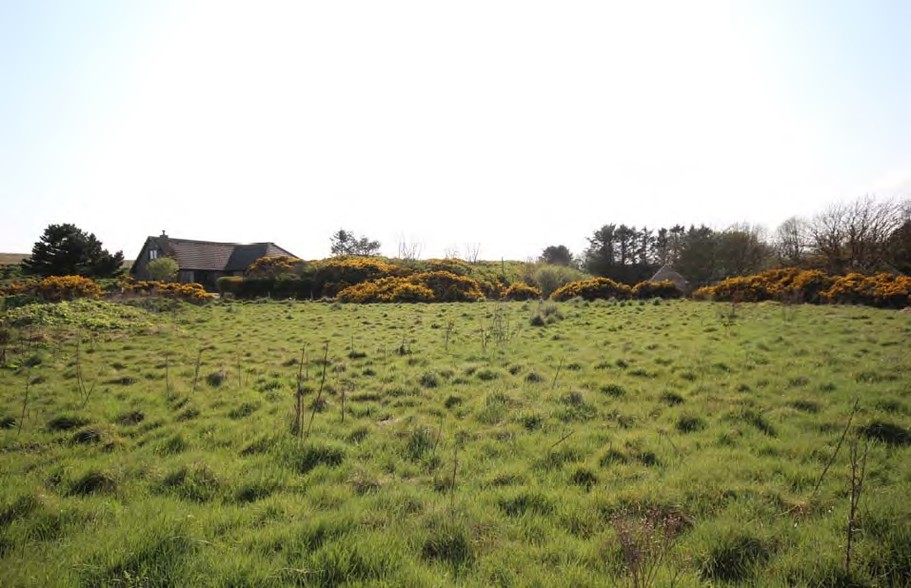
pixel 531 451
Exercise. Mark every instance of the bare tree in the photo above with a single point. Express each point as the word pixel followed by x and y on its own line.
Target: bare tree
pixel 870 224
pixel 791 242
pixel 472 252
pixel 854 236
pixel 741 250
pixel 409 251
pixel 827 236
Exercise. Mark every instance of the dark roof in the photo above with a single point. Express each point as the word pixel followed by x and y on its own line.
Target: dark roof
pixel 208 255
pixel 243 256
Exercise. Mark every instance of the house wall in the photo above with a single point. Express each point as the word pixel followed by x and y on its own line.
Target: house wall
pixel 207 278
pixel 140 269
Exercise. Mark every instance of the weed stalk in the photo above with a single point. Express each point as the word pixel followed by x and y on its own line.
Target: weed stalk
pixel 299 394
pixel 319 394
pixel 84 393
pixel 196 372
pixel 858 473
pixel 557 375
pixel 841 440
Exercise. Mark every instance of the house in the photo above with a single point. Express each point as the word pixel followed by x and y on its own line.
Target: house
pixel 202 261
pixel 669 273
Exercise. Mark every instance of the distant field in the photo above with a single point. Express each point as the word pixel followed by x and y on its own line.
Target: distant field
pixel 8 258
pixel 454 445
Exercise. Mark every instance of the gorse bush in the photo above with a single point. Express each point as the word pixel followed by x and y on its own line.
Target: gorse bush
pixel 882 290
pixel 17 287
pixel 193 293
pixel 331 276
pixel 453 266
pixel 593 289
pixel 665 289
pixel 449 287
pixel 787 284
pixel 449 280
pixel 520 291
pixel 422 287
pixel 276 266
pixel 386 290
pixel 812 286
pixel 58 288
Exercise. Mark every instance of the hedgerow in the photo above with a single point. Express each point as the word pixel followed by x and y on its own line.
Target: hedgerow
pixel 193 292
pixel 883 290
pixel 276 266
pixel 331 276
pixel 436 286
pixel 812 286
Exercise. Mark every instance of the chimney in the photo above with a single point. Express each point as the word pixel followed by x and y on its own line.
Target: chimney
pixel 163 234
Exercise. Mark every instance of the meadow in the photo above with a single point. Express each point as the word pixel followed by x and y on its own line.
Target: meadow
pixel 640 443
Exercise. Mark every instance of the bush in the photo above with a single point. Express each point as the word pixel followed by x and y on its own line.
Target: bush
pixel 449 287
pixel 665 289
pixel 17 287
pixel 229 285
pixel 57 288
pixel 521 291
pixel 592 289
pixel 808 286
pixel 386 290
pixel 786 285
pixel 545 314
pixel 453 266
pixel 193 293
pixel 163 269
pixel 882 290
pixel 422 287
pixel 407 292
pixel 276 266
pixel 551 277
pixel 301 288
pixel 334 275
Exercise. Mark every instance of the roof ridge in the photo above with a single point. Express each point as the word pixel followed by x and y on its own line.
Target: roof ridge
pixel 169 238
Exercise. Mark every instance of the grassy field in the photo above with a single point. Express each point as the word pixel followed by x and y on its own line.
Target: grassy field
pixel 484 444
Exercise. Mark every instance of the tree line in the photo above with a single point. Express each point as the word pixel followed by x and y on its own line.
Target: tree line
pixel 864 235
pixel 861 236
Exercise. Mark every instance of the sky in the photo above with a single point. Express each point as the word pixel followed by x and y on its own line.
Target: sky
pixel 500 126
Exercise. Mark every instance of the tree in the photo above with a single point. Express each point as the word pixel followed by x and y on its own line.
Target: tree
pixel 620 253
pixel 899 248
pixel 347 243
pixel 697 258
pixel 163 269
pixel 66 250
pixel 556 255
pixel 854 236
pixel 740 250
pixel 790 242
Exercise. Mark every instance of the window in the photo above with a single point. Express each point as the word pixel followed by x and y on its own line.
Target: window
pixel 153 254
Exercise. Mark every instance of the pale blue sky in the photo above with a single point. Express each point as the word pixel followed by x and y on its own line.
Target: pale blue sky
pixel 513 125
